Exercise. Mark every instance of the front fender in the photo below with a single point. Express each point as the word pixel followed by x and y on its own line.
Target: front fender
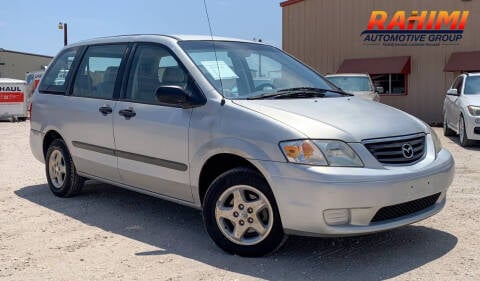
pixel 228 145
pixel 247 150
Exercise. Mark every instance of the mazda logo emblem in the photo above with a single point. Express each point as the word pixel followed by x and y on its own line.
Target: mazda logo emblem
pixel 407 150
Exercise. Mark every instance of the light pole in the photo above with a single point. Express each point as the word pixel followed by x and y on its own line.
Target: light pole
pixel 63 25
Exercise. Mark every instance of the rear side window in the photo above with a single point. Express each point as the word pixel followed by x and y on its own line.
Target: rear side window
pixel 57 75
pixel 98 71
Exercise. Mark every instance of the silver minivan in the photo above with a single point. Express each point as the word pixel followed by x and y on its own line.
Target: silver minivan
pixel 261 143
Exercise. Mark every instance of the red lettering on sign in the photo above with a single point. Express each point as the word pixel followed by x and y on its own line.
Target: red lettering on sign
pixel 11 97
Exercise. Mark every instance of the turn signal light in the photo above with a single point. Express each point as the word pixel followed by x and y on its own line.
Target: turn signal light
pixel 292 151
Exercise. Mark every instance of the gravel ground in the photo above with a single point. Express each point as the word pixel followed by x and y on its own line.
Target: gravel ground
pixel 107 233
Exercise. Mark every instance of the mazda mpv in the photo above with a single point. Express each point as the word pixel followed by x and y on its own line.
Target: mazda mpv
pixel 261 143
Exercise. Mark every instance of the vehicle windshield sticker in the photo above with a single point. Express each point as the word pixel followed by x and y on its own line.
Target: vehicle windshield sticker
pixel 213 68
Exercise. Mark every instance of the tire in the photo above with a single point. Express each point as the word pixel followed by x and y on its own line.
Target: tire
pixel 462 131
pixel 62 176
pixel 446 130
pixel 222 217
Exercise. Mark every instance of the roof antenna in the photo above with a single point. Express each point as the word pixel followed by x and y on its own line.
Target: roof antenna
pixel 214 51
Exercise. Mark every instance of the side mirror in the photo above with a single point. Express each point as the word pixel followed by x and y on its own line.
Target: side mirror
pixel 379 90
pixel 452 92
pixel 173 96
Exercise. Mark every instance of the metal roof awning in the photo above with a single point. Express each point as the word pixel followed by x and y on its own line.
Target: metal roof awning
pixel 463 61
pixel 390 65
pixel 289 2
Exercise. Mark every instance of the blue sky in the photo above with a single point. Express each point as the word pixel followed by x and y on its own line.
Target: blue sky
pixel 32 26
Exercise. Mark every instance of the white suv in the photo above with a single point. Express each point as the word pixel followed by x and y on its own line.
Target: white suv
pixel 461 109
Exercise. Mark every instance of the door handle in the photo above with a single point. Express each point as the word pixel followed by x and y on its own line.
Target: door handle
pixel 127 113
pixel 105 110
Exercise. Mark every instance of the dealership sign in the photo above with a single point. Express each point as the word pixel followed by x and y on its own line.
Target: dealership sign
pixel 419 28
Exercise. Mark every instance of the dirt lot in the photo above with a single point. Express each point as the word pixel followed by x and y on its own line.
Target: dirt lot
pixel 108 233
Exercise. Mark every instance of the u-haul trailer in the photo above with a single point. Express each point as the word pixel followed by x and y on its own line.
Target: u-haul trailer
pixel 32 79
pixel 13 103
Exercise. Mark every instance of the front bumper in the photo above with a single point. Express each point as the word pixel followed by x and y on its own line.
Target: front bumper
pixel 303 193
pixel 472 122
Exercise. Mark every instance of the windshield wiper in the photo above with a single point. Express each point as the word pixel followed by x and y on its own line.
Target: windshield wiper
pixel 301 92
pixel 312 89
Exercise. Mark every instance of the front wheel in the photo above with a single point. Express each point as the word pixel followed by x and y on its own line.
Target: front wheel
pixel 462 131
pixel 240 214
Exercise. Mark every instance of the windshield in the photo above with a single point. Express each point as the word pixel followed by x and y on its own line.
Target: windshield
pixel 472 86
pixel 243 70
pixel 351 83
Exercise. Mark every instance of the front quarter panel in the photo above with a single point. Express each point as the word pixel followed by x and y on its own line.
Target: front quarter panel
pixel 229 128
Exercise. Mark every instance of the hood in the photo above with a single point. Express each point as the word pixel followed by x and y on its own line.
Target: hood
pixel 350 119
pixel 472 99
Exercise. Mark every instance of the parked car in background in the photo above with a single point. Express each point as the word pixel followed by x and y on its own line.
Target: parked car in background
pixel 461 109
pixel 181 118
pixel 357 84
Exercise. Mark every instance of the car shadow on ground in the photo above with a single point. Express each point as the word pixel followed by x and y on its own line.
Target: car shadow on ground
pixel 178 230
pixel 474 147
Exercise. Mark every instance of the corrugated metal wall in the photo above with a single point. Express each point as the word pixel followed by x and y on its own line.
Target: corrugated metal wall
pixel 323 33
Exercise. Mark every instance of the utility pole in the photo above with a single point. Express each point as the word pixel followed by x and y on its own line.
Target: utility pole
pixel 63 25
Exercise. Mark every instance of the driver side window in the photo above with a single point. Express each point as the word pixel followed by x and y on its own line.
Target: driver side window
pixel 458 84
pixel 153 66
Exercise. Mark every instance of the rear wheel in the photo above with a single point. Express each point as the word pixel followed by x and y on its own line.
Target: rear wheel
pixel 62 176
pixel 240 214
pixel 464 141
pixel 446 130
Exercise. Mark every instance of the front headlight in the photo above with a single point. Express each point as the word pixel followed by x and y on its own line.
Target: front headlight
pixel 320 153
pixel 303 152
pixel 474 110
pixel 436 141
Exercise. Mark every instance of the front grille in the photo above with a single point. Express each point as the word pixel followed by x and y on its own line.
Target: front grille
pixel 391 150
pixel 476 130
pixel 403 209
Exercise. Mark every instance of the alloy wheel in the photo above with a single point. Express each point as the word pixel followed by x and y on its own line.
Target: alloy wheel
pixel 57 169
pixel 244 215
